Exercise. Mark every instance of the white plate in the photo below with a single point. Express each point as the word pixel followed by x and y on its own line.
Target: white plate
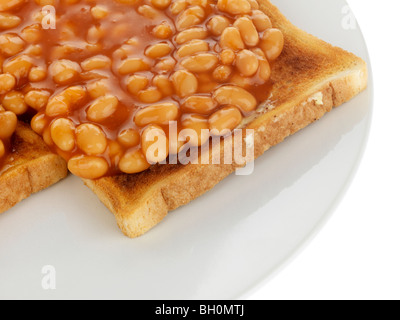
pixel 221 245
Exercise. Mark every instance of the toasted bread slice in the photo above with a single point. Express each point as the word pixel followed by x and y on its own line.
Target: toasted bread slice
pixel 308 80
pixel 29 168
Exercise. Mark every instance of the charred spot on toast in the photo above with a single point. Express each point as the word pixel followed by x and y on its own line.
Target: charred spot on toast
pixel 130 181
pixel 26 146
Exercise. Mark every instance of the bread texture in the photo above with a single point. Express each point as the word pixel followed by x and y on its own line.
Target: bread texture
pixel 29 168
pixel 308 80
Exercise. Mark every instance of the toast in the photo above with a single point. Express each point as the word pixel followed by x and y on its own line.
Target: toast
pixel 308 80
pixel 29 168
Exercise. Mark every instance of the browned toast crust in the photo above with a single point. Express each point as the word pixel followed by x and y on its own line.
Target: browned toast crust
pixel 30 168
pixel 308 80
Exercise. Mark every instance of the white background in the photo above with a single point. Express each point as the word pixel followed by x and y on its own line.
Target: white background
pixel 357 254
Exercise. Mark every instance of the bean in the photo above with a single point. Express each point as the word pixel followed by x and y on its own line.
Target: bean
pixel 239 97
pixel 225 120
pixel 88 167
pixel 159 114
pixel 133 162
pixel 63 134
pixel 91 139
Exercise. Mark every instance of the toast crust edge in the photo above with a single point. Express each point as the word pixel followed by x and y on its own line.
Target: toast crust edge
pixel 183 186
pixel 34 168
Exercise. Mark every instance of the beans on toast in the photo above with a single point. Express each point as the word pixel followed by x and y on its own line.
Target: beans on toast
pixel 308 79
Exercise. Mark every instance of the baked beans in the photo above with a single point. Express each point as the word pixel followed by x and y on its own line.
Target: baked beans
pixel 113 74
pixel 8 124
